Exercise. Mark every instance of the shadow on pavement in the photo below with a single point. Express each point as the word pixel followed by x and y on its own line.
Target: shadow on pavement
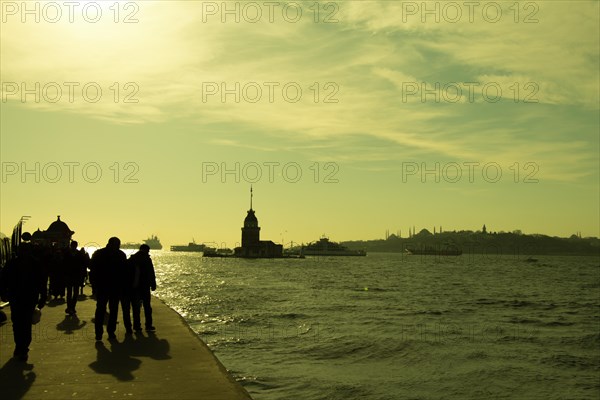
pixel 115 361
pixel 16 377
pixel 70 324
pixel 119 361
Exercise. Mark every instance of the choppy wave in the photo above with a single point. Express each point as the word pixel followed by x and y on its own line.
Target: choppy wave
pixel 384 328
pixel 572 361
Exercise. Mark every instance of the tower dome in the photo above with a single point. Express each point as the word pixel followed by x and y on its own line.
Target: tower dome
pixel 251 220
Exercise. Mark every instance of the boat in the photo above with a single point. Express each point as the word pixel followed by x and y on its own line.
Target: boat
pixel 325 247
pixel 153 242
pixel 434 251
pixel 130 246
pixel 293 252
pixel 191 247
pixel 213 252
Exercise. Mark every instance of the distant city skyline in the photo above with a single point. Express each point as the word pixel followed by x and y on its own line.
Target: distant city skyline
pixel 406 233
pixel 347 118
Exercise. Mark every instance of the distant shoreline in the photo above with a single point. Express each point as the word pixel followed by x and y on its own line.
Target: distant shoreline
pixel 484 243
pixel 522 256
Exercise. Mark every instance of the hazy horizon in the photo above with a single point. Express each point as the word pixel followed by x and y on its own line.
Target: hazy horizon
pixel 402 233
pixel 348 118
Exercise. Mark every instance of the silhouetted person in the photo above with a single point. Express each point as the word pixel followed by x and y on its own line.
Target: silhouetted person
pixel 85 261
pixel 23 284
pixel 127 295
pixel 57 274
pixel 73 267
pixel 144 280
pixel 45 256
pixel 106 266
pixel 3 316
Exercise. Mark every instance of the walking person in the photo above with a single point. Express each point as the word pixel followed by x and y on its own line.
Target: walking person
pixel 57 274
pixel 105 268
pixel 144 280
pixel 23 284
pixel 126 295
pixel 85 264
pixel 73 265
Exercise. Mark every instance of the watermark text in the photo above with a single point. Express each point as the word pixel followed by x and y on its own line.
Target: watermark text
pixel 453 172
pixel 53 12
pixel 69 172
pixel 254 92
pixel 69 92
pixel 469 92
pixel 269 171
pixel 253 12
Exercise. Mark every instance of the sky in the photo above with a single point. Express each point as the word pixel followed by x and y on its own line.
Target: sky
pixel 348 118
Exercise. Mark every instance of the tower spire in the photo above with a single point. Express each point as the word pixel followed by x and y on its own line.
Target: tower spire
pixel 251 197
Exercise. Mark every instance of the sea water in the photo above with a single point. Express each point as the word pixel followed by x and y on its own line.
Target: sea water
pixel 391 326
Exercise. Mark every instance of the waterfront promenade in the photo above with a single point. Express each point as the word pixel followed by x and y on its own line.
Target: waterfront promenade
pixel 66 362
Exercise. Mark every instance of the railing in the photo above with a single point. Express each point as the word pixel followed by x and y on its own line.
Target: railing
pixel 5 253
pixel 9 247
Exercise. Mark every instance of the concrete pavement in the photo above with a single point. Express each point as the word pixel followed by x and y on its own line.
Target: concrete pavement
pixel 66 362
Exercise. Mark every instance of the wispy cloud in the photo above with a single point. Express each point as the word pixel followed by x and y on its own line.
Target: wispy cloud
pixel 171 54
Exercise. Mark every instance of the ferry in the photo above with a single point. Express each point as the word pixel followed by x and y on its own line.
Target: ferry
pixel 192 247
pixel 214 252
pixel 324 247
pixel 153 242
